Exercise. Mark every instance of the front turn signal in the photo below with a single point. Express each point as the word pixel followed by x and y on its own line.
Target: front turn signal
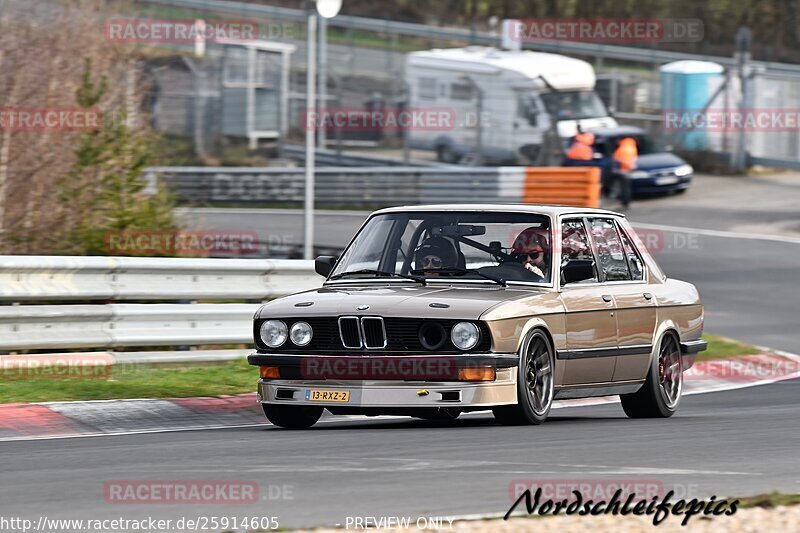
pixel 269 372
pixel 484 373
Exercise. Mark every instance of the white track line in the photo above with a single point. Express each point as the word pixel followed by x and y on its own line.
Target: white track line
pixel 718 233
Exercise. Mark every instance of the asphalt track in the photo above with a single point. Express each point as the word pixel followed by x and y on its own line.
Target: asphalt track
pixel 726 444
pixel 733 443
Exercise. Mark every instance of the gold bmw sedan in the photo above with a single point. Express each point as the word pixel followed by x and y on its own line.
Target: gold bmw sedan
pixel 436 310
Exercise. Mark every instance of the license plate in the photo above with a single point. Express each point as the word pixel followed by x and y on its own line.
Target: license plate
pixel 341 396
pixel 668 180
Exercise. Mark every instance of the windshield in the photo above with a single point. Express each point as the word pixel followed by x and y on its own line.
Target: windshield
pixel 451 246
pixel 574 105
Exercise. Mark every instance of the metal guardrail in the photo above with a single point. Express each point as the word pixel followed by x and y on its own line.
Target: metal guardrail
pixel 74 324
pixel 46 278
pixel 622 53
pixel 351 159
pixel 340 186
pixel 381 186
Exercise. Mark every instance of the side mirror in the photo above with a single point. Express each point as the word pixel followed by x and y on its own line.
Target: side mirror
pixel 324 264
pixel 577 270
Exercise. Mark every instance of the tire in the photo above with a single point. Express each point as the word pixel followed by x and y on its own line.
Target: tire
pixel 441 414
pixel 660 395
pixel 292 416
pixel 446 154
pixel 535 384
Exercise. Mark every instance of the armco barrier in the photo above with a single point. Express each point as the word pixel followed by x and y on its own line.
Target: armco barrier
pixel 76 324
pixel 45 278
pixel 569 186
pixel 383 186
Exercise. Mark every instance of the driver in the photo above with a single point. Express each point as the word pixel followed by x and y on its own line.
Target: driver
pixel 435 253
pixel 529 247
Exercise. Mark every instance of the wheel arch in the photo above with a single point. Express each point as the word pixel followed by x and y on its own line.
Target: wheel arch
pixel 664 328
pixel 535 324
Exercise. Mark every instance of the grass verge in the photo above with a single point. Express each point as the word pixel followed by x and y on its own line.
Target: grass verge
pixel 721 347
pixel 172 381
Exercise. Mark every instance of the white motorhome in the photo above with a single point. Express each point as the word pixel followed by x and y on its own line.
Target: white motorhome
pixel 519 95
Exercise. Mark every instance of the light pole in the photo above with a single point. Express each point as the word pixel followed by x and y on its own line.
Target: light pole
pixel 326 9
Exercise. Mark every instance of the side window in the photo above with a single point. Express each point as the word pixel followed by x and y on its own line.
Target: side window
pixel 610 254
pixel 575 243
pixel 461 91
pixel 634 261
pixel 427 88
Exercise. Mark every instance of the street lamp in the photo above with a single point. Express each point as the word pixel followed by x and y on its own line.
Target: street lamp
pixel 326 9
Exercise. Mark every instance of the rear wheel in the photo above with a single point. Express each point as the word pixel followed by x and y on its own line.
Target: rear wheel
pixel 661 393
pixel 535 386
pixel 292 416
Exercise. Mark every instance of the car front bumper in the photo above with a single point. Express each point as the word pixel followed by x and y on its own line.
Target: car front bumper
pixel 389 394
pixel 660 184
pixel 415 391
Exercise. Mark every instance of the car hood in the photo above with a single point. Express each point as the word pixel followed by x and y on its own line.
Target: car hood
pixel 660 161
pixel 435 301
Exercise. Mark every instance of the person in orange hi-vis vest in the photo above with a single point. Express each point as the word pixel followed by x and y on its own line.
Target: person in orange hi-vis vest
pixel 626 154
pixel 581 148
pixel 625 159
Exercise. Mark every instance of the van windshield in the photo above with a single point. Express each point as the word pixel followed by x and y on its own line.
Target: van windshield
pixel 574 105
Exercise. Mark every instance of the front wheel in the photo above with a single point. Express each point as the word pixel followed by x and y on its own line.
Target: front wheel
pixel 661 393
pixel 292 416
pixel 535 385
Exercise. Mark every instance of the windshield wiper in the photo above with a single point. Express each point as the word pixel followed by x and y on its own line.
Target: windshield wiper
pixel 498 280
pixel 418 279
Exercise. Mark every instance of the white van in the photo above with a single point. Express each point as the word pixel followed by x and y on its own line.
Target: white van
pixel 520 94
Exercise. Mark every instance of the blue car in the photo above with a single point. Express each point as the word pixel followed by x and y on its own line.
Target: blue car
pixel 656 171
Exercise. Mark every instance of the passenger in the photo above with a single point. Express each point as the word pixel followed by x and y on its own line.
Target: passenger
pixel 530 248
pixel 435 253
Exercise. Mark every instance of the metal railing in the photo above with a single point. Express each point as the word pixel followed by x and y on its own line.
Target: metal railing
pixel 606 51
pixel 30 320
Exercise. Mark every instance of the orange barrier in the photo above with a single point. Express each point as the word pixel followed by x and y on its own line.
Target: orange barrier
pixel 578 186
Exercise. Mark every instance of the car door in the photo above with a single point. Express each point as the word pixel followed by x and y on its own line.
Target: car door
pixel 622 273
pixel 590 323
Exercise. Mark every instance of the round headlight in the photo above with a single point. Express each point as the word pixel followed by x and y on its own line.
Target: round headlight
pixel 301 333
pixel 465 335
pixel 274 333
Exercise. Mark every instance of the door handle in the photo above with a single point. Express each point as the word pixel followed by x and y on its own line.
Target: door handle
pixel 647 296
pixel 606 297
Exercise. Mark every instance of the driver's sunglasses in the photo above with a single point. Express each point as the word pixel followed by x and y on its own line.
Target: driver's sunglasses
pixel 535 254
pixel 432 261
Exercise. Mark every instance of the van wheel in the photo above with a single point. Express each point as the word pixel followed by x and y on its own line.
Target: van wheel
pixel 446 154
pixel 535 384
pixel 661 393
pixel 292 416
